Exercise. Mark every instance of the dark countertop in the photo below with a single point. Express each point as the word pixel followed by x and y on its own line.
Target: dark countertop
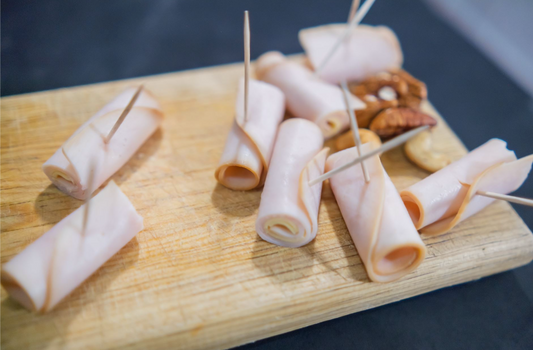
pixel 53 44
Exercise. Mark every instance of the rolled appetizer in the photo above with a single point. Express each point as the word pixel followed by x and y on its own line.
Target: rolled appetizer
pixel 380 226
pixel 246 156
pixel 56 263
pixel 307 96
pixel 443 199
pixel 69 166
pixel 367 51
pixel 288 213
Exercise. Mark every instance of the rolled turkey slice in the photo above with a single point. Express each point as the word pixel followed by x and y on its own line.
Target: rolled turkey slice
pixel 367 51
pixel 288 213
pixel 56 263
pixel 501 178
pixel 441 195
pixel 307 96
pixel 380 226
pixel 246 156
pixel 69 172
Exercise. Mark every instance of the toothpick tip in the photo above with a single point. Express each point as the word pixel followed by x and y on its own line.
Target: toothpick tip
pixel 246 63
pixel 125 112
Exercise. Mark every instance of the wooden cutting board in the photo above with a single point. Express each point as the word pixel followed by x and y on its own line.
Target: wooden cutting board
pixel 198 275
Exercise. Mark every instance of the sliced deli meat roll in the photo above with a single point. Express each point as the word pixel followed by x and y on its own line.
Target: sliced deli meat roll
pixel 367 51
pixel 307 96
pixel 380 226
pixel 443 199
pixel 56 263
pixel 246 156
pixel 69 167
pixel 288 213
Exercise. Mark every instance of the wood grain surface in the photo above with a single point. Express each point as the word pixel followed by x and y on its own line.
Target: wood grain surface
pixel 198 275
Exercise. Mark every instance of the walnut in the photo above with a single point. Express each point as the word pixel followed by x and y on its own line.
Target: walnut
pixel 374 83
pixel 416 87
pixel 397 120
pixel 385 90
pixel 409 101
pixel 373 106
pixel 387 93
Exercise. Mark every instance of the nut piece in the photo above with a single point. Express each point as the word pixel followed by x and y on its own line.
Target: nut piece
pixel 346 140
pixel 373 107
pixel 416 87
pixel 373 84
pixel 387 93
pixel 388 89
pixel 418 150
pixel 396 121
pixel 409 101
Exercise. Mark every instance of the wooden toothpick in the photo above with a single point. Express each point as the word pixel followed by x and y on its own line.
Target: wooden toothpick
pixel 355 128
pixel 68 159
pixel 353 10
pixel 90 189
pixel 353 23
pixel 385 147
pixel 120 119
pixel 504 197
pixel 246 62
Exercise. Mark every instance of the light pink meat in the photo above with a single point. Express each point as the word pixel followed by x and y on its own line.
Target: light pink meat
pixel 288 213
pixel 69 173
pixel 246 156
pixel 445 198
pixel 56 263
pixel 367 51
pixel 307 96
pixel 382 231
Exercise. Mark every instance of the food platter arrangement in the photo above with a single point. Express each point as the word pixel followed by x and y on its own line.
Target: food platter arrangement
pixel 336 188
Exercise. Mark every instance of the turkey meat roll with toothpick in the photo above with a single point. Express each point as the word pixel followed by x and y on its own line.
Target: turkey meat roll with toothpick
pixel 307 96
pixel 381 229
pixel 246 156
pixel 368 50
pixel 443 199
pixel 288 213
pixel 56 263
pixel 69 166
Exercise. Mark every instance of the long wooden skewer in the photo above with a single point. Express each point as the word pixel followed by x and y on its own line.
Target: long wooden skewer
pixel 120 119
pixel 504 197
pixel 353 23
pixel 385 147
pixel 246 62
pixel 355 128
pixel 353 10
